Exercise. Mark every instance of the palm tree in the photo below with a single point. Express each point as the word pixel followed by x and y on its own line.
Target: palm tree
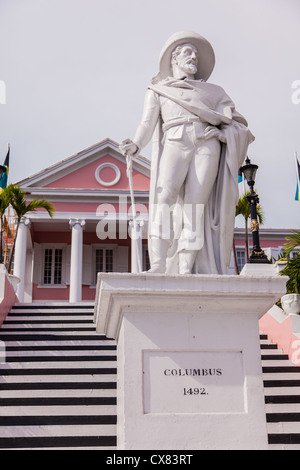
pixel 5 197
pixel 22 207
pixel 243 208
pixel 292 268
pixel 293 242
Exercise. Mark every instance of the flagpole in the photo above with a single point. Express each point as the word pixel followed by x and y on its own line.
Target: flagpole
pixel 296 163
pixel 297 173
pixel 6 239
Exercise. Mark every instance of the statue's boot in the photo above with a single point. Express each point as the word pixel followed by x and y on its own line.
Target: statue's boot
pixel 186 261
pixel 159 250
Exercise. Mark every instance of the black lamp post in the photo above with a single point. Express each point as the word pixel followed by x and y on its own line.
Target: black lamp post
pixel 257 255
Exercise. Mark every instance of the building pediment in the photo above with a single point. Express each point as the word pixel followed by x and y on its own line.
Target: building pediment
pixel 100 167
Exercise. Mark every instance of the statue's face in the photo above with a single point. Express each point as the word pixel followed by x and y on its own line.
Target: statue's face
pixel 187 59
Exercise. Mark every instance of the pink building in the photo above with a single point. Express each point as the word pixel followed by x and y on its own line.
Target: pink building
pixel 58 259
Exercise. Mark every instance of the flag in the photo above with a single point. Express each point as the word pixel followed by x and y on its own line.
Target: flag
pixel 241 179
pixel 240 175
pixel 297 195
pixel 4 171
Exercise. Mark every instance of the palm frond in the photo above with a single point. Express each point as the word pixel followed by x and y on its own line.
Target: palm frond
pixel 22 207
pixel 5 198
pixel 40 204
pixel 243 208
pixel 293 242
pixel 260 214
pixel 292 270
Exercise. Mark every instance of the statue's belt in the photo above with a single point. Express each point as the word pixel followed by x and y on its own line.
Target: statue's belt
pixel 182 120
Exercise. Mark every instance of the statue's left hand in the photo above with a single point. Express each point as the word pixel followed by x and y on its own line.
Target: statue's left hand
pixel 214 132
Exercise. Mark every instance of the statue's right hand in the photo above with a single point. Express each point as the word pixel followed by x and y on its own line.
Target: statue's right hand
pixel 128 147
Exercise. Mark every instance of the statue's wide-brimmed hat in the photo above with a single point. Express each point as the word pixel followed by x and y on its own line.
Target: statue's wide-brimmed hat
pixel 206 55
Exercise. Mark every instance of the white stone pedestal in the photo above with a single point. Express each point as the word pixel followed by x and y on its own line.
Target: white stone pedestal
pixel 189 365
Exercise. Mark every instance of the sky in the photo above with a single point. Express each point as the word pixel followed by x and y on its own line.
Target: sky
pixel 76 72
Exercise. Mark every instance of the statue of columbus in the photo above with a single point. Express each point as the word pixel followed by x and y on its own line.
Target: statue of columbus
pixel 199 141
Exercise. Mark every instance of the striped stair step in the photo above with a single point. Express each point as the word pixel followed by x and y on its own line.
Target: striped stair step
pixel 281 380
pixel 58 382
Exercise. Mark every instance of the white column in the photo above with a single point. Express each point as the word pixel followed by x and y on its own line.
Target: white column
pixel 20 256
pixel 76 260
pixel 136 246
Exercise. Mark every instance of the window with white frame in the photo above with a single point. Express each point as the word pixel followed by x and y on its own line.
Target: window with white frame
pixel 53 267
pixel 104 260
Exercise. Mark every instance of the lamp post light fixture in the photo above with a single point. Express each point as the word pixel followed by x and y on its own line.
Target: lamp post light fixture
pixel 249 171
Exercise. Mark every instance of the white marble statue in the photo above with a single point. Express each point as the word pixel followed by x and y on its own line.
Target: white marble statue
pixel 199 142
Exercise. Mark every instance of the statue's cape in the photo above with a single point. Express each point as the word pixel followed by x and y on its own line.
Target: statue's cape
pixel 219 213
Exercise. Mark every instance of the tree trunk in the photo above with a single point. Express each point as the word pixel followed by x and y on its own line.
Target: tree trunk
pixel 13 248
pixel 235 259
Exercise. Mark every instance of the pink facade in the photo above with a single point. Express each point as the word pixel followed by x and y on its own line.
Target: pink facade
pixel 85 189
pixel 75 178
pixel 283 334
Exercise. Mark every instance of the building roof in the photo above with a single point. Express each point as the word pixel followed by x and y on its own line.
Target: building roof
pixel 79 160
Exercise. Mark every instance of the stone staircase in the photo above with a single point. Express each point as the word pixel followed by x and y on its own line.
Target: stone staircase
pixel 282 397
pixel 58 383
